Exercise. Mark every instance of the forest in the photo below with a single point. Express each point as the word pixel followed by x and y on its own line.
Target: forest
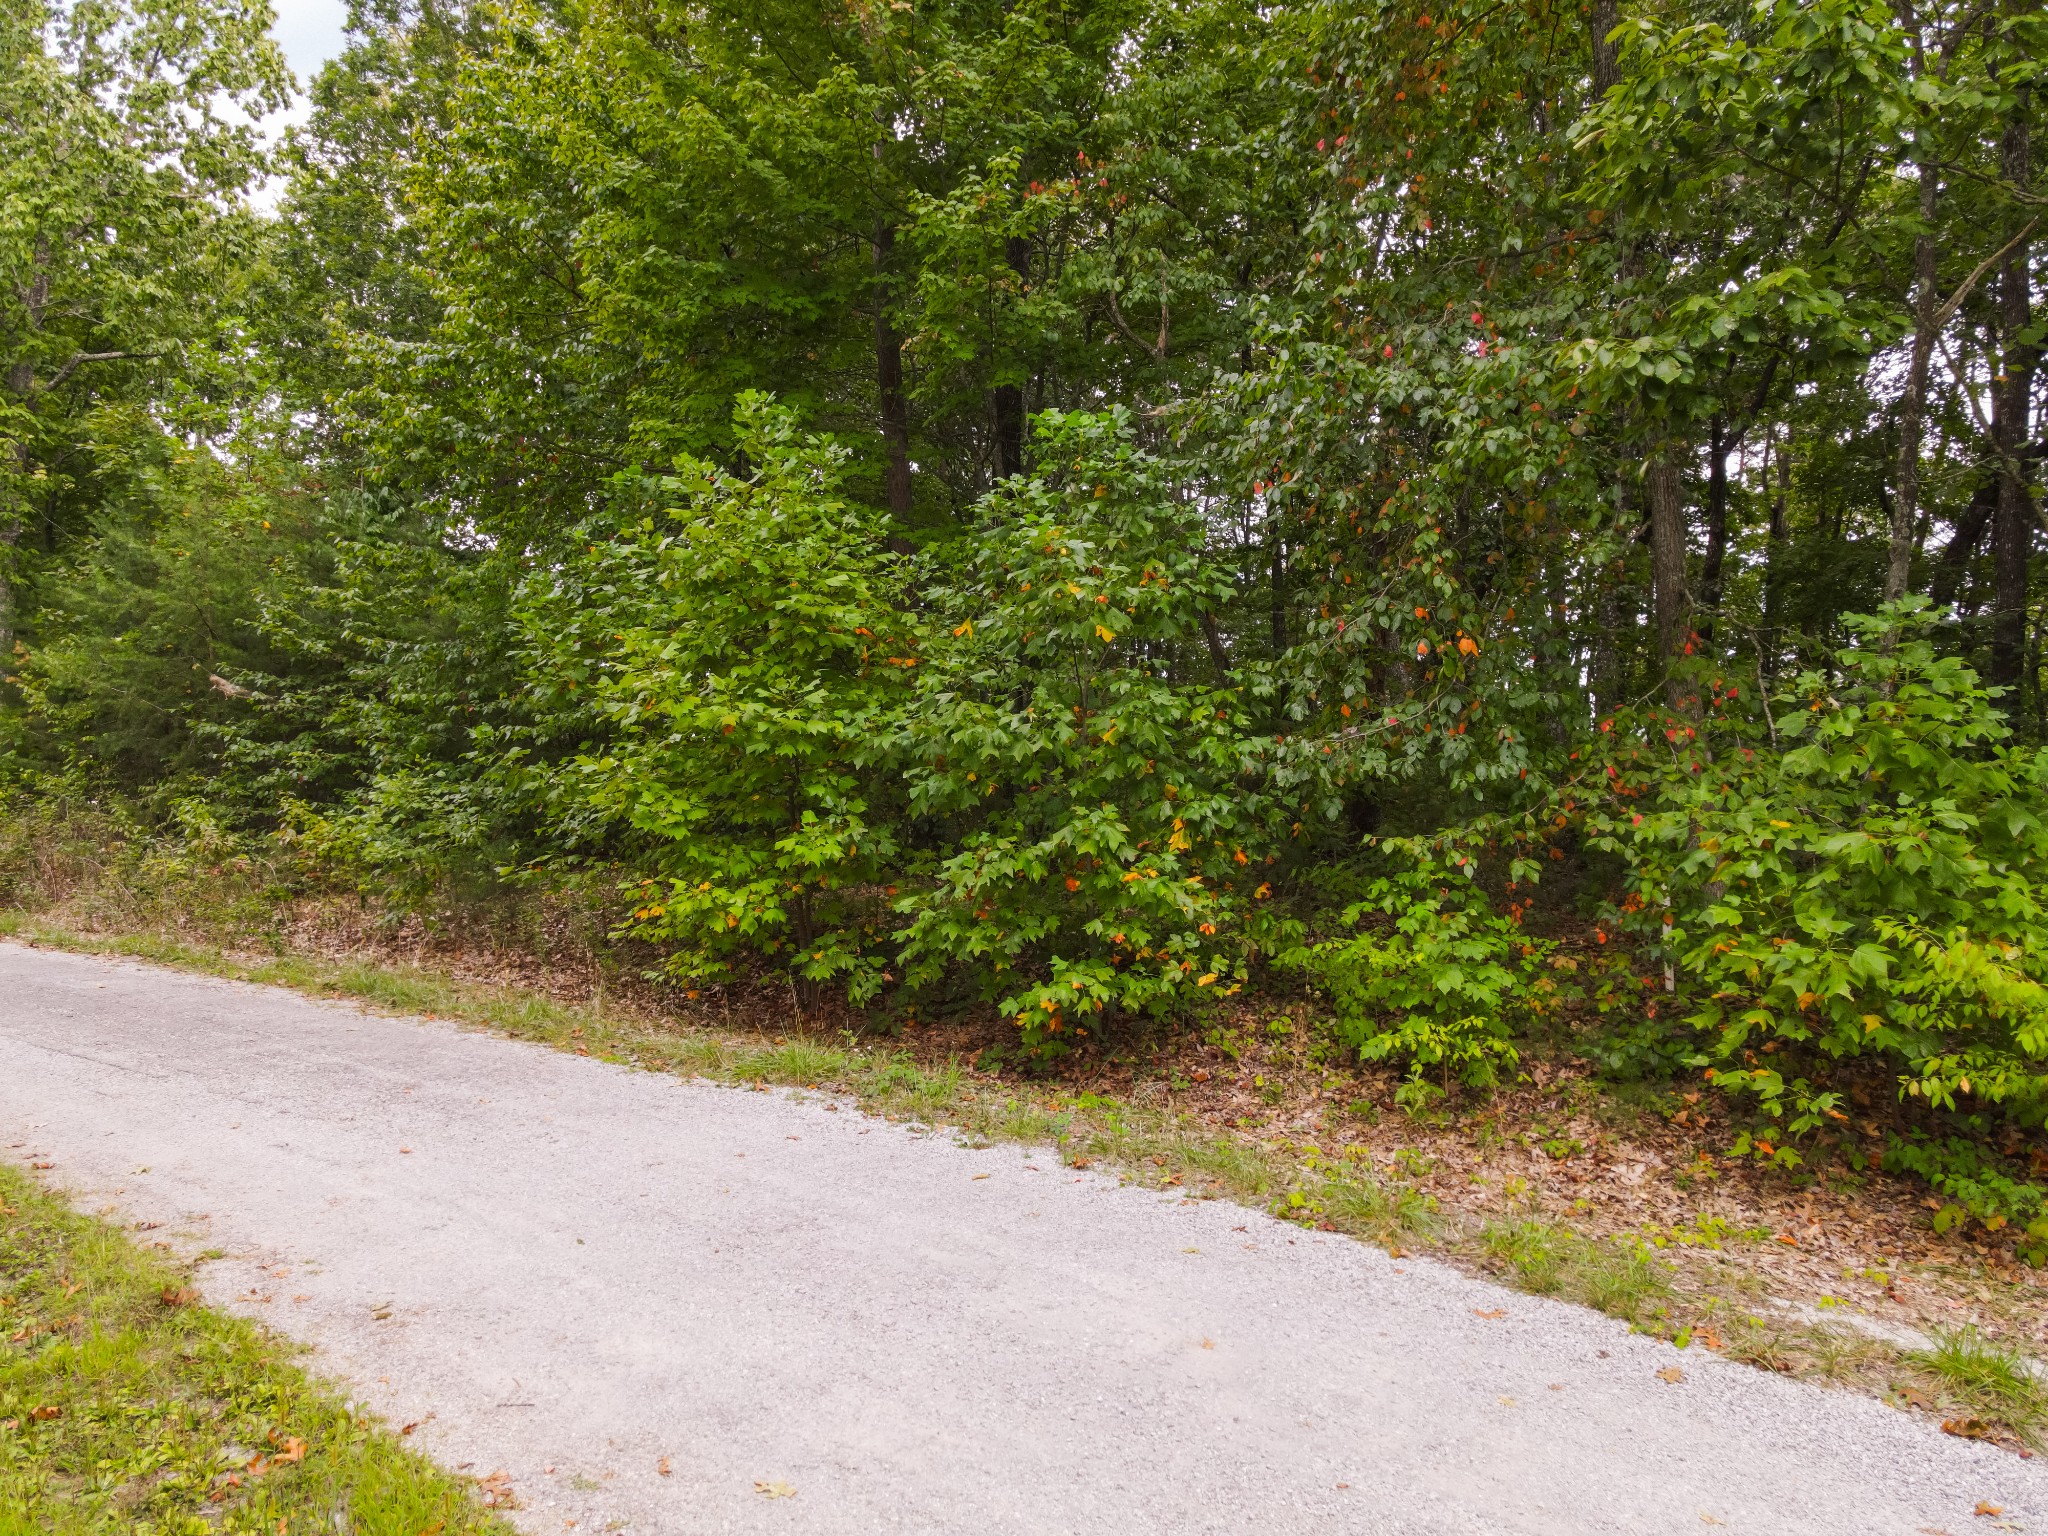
pixel 1476 513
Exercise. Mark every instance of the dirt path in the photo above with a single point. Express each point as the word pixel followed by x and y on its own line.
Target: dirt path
pixel 820 1322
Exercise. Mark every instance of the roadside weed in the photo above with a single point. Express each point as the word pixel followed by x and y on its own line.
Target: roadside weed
pixel 1530 1249
pixel 1986 1376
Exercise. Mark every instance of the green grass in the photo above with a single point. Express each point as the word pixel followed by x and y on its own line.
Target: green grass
pixel 1617 1277
pixel 1987 1378
pixel 127 1408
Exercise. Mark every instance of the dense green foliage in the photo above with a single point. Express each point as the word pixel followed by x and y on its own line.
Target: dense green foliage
pixel 1075 509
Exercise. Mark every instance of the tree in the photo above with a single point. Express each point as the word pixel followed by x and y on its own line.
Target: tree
pixel 123 234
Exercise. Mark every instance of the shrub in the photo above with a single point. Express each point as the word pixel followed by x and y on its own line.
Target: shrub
pixel 1979 1184
pixel 1871 891
pixel 1436 978
pixel 1106 822
pixel 747 650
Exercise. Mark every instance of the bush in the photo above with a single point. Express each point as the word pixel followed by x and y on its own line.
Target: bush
pixel 1437 979
pixel 1872 891
pixel 1993 1190
pixel 748 651
pixel 1105 818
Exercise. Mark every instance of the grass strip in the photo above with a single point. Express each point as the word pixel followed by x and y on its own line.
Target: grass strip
pixel 127 1407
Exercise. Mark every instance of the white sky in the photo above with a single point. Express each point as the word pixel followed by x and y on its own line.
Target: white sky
pixel 309 31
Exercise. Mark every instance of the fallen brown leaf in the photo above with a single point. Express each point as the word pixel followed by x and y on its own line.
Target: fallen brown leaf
pixel 1495 1312
pixel 1988 1509
pixel 775 1490
pixel 1966 1429
pixel 45 1411
pixel 178 1296
pixel 661 1466
pixel 1671 1373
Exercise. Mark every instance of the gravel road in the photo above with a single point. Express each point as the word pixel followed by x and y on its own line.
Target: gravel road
pixel 824 1323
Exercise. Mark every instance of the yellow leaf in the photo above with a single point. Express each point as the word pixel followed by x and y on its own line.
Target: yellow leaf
pixel 1102 632
pixel 1204 981
pixel 964 629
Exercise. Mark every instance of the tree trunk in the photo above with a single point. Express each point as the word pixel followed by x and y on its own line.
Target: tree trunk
pixel 889 379
pixel 1008 400
pixel 1606 57
pixel 1671 599
pixel 1962 544
pixel 21 383
pixel 1279 583
pixel 1905 508
pixel 2012 527
pixel 10 533
pixel 1774 555
pixel 1614 610
pixel 1717 526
